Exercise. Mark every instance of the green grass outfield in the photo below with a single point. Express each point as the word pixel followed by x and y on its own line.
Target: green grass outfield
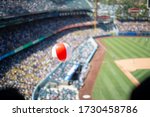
pixel 141 75
pixel 111 83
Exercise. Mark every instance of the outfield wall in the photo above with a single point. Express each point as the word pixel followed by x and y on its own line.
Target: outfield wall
pixel 134 34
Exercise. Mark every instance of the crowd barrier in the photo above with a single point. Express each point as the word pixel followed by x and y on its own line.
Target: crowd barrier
pixel 101 36
pixel 127 34
pixel 93 52
pixel 124 34
pixel 22 48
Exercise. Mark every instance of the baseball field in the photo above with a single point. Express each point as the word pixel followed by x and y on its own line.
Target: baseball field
pixel 111 82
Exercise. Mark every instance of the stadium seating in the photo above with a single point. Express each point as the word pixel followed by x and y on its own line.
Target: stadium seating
pixel 20 7
pixel 59 74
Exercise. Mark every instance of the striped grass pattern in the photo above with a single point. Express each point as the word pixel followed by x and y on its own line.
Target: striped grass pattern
pixel 111 83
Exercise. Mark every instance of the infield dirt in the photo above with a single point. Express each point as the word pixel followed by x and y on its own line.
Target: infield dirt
pixel 130 65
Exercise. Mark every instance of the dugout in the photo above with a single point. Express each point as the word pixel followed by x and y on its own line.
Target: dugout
pixel 73 74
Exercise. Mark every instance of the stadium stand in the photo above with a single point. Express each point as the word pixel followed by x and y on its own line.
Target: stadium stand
pixel 61 92
pixel 63 73
pixel 133 26
pixel 28 67
pixel 20 7
pixel 14 37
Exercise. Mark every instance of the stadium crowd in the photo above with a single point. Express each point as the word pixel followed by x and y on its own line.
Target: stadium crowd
pixel 13 37
pixel 133 26
pixel 28 67
pixel 61 92
pixel 20 7
pixel 61 73
pixel 68 94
